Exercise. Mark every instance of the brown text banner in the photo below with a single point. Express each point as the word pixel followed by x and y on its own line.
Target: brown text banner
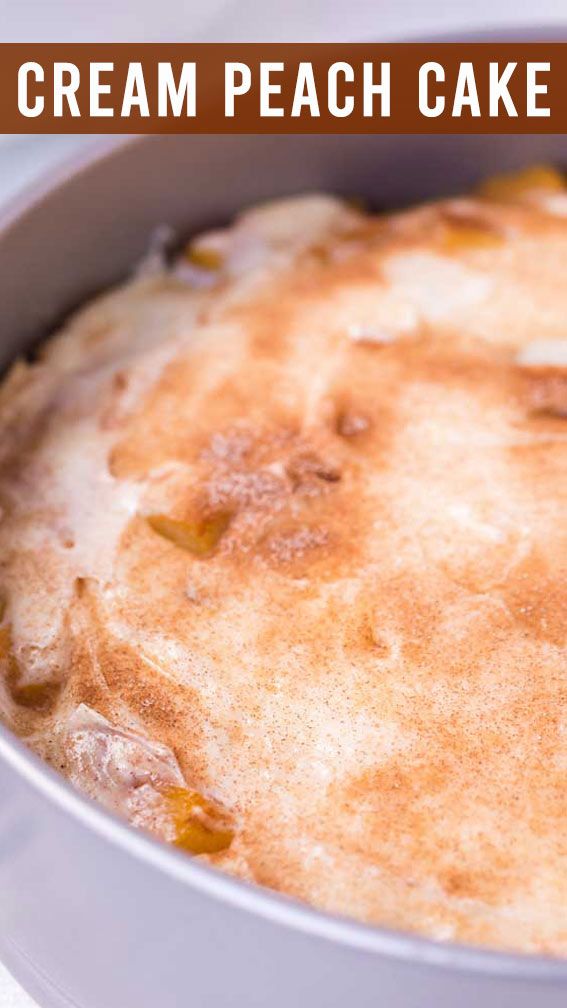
pixel 284 88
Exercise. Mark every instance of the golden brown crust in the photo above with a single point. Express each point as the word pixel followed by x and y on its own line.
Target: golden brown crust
pixel 363 657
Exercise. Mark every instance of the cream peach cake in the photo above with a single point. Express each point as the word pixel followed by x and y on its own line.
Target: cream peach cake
pixel 283 550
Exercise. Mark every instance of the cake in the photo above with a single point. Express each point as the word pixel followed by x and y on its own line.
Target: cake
pixel 283 556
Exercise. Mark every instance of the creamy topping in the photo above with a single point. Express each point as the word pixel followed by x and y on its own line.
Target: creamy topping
pixel 283 554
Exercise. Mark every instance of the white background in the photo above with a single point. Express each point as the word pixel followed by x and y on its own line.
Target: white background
pixel 254 20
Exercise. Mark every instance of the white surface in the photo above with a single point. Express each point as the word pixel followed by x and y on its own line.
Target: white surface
pixel 249 20
pixel 106 20
pixel 385 20
pixel 11 995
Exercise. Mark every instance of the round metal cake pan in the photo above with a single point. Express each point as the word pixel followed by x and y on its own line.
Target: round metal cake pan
pixel 93 914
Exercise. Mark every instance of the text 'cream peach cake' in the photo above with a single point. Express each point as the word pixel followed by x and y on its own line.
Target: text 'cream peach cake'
pixel 283 557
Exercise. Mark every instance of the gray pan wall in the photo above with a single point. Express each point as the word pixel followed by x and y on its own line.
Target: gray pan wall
pixel 92 914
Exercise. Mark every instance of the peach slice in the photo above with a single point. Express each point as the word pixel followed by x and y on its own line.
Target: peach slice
pixel 205 257
pixel 462 237
pixel 513 186
pixel 200 826
pixel 197 537
pixel 5 642
pixel 35 696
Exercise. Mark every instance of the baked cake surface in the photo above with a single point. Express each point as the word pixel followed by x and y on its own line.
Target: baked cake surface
pixel 283 557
